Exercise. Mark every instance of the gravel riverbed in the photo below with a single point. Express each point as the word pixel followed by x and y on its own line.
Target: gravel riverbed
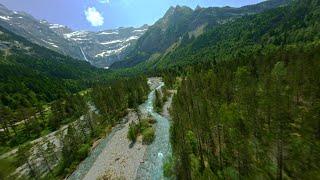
pixel 116 157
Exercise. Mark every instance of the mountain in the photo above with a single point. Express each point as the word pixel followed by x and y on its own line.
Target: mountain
pixel 105 47
pixel 31 73
pixel 248 90
pixel 292 25
pixel 180 23
pixel 99 48
pixel 38 32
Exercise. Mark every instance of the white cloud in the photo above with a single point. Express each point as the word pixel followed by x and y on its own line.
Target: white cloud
pixel 104 1
pixel 94 16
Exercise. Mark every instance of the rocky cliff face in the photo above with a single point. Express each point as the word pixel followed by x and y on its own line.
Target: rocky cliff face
pixel 105 47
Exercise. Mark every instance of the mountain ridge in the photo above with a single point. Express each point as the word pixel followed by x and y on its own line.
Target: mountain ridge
pixel 82 45
pixel 183 22
pixel 32 73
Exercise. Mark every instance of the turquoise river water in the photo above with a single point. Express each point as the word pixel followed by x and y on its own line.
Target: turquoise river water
pixel 156 153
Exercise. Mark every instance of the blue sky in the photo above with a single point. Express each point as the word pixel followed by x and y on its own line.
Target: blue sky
pixel 107 14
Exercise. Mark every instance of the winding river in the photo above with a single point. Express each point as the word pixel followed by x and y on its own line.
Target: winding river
pixel 140 161
pixel 160 149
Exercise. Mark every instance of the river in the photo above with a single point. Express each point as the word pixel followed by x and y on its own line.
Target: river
pixel 160 149
pixel 115 156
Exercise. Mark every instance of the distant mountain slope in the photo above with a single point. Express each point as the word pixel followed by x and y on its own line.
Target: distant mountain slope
pixel 294 24
pixel 105 47
pixel 31 73
pixel 37 32
pixel 99 48
pixel 180 23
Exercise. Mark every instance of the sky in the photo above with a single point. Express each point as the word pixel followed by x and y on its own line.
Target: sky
pixel 98 15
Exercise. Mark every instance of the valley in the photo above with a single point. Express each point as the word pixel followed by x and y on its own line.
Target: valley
pixel 202 93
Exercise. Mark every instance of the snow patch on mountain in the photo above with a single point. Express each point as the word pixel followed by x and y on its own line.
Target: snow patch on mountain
pixel 80 39
pixel 103 54
pixel 76 34
pixel 43 22
pixel 108 33
pixel 55 26
pixel 111 52
pixel 111 42
pixel 132 38
pixel 100 48
pixel 140 30
pixel 6 18
pixel 50 43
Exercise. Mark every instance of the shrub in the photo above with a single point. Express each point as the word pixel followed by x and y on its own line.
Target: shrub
pixel 132 132
pixel 144 124
pixel 148 135
pixel 83 151
pixel 168 168
pixel 145 128
pixel 151 121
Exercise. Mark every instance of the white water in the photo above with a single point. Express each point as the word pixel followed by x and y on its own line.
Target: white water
pixel 85 57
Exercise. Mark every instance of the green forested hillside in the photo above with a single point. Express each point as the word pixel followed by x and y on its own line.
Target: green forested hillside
pixel 255 117
pixel 295 24
pixel 40 99
pixel 182 23
pixel 249 106
pixel 38 89
pixel 31 74
pixel 112 100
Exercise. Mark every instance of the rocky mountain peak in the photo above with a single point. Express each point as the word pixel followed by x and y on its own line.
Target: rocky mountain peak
pixel 99 48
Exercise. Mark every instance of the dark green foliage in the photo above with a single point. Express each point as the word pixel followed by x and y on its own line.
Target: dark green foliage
pixel 253 117
pixel 36 122
pixel 83 151
pixel 169 80
pixel 181 24
pixel 148 135
pixel 77 142
pixel 247 109
pixel 144 128
pixel 133 132
pixel 23 155
pixel 158 101
pixel 169 168
pixel 74 150
pixel 6 169
pixel 70 151
pixel 66 110
pixel 31 74
pixel 161 96
pixel 115 98
pixel 294 24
